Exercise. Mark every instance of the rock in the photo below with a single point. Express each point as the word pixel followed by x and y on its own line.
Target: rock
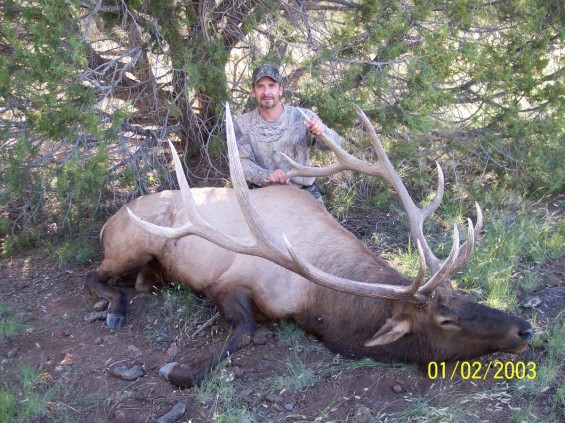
pixel 11 336
pixel 172 351
pixel 546 410
pixel 397 389
pixel 273 398
pixel 362 414
pixel 134 349
pixel 172 416
pixel 533 302
pixel 552 302
pixel 101 305
pixel 120 416
pixel 289 406
pixel 125 373
pixel 477 294
pixel 261 335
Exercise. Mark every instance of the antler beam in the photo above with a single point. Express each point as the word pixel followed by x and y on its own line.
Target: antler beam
pixel 441 269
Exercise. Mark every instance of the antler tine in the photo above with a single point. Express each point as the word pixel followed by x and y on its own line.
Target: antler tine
pixel 459 256
pixel 472 236
pixel 188 201
pixel 446 268
pixel 262 241
pixel 422 271
pixel 254 222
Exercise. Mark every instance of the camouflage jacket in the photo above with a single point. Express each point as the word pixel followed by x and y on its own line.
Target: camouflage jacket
pixel 261 143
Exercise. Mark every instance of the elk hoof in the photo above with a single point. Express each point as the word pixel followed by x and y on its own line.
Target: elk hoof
pixel 181 375
pixel 115 321
pixel 166 369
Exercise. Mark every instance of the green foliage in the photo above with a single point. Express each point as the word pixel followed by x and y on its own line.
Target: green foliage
pixel 495 98
pixel 549 380
pixel 219 390
pixel 85 93
pixel 514 241
pixel 9 323
pixel 40 83
pixel 7 406
pixel 26 400
pixel 217 147
pixel 342 198
pixel 289 333
pixel 14 243
pixel 297 376
pixel 405 261
pixel 81 251
pixel 81 179
pixel 180 305
pixel 448 406
pixel 36 75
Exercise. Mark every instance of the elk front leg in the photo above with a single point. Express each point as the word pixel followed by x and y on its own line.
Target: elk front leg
pixel 237 309
pixel 116 317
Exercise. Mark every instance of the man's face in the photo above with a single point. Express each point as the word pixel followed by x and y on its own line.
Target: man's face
pixel 267 92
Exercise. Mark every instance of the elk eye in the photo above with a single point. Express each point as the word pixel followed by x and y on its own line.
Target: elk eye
pixel 448 322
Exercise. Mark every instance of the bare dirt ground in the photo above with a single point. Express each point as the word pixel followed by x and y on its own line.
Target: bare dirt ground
pixel 259 384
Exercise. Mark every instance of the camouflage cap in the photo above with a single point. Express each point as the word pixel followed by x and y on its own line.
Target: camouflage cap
pixel 266 70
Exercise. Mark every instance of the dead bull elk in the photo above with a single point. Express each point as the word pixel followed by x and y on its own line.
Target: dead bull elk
pixel 225 243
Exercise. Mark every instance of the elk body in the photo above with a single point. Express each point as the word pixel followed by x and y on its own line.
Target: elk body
pixel 225 244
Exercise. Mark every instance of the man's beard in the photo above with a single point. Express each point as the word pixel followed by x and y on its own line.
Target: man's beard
pixel 270 103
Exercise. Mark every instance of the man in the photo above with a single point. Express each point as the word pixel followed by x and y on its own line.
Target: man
pixel 274 128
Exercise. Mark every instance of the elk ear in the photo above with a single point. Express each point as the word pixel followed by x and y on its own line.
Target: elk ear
pixel 389 332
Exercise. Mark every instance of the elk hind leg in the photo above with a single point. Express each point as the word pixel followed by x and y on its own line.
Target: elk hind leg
pixel 236 308
pixel 116 317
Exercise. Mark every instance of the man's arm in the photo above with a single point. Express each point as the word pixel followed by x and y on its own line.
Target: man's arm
pixel 252 171
pixel 257 174
pixel 316 127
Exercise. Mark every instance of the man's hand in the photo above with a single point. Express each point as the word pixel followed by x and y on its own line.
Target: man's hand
pixel 315 126
pixel 279 176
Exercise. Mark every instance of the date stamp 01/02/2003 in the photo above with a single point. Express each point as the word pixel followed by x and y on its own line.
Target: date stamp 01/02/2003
pixel 476 370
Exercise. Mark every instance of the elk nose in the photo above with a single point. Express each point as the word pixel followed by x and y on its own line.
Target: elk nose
pixel 526 334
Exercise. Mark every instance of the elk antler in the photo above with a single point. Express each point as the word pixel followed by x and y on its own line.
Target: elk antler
pixel 441 269
pixel 264 244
